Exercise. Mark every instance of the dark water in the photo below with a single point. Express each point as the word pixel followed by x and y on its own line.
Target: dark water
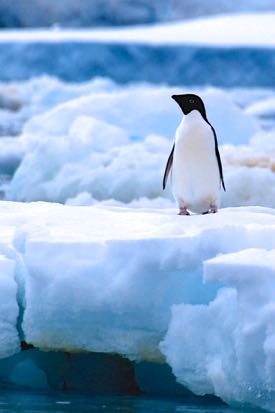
pixel 29 402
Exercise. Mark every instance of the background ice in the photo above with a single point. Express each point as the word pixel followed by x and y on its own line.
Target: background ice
pixel 80 145
pixel 39 13
pixel 183 51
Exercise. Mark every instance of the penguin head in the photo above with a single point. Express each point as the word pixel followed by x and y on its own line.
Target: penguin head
pixel 190 102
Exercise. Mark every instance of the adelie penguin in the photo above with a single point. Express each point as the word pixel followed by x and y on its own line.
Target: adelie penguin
pixel 195 161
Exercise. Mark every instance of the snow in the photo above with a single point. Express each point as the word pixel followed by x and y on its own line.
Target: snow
pixel 223 30
pixel 148 285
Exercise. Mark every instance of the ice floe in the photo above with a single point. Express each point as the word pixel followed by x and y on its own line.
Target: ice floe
pixel 148 285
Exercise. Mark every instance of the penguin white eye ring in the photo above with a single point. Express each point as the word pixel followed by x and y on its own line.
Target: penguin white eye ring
pixel 195 161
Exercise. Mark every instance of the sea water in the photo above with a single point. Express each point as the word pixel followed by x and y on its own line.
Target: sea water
pixel 35 402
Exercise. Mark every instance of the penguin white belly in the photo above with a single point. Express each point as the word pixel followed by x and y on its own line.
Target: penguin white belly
pixel 195 171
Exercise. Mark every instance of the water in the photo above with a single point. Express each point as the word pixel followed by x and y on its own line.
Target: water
pixel 30 402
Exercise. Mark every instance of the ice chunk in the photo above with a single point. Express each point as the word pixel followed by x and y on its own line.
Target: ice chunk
pixel 66 167
pixel 227 347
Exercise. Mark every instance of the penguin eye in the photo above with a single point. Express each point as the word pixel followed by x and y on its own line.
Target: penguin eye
pixel 191 101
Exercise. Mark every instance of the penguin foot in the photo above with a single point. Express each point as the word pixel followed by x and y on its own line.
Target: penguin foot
pixel 183 211
pixel 213 209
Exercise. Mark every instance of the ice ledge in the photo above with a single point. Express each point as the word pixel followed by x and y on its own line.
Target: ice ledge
pixel 117 280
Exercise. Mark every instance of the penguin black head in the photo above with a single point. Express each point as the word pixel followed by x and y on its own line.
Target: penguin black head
pixel 190 102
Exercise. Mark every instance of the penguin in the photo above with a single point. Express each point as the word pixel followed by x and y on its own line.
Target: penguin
pixel 195 161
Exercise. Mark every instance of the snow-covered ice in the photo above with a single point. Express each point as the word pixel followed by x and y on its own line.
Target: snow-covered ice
pixel 105 279
pixel 221 30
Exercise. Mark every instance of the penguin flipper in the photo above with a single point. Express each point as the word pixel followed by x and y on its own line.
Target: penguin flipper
pixel 168 168
pixel 218 157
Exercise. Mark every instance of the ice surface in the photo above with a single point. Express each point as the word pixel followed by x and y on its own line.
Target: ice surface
pixel 123 280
